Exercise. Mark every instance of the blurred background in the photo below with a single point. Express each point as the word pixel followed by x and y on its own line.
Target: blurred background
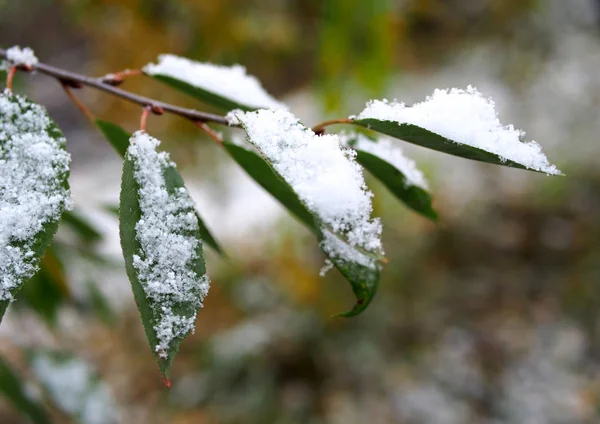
pixel 490 316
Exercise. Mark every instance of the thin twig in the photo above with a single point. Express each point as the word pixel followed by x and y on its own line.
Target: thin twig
pixel 210 132
pixel 97 83
pixel 83 108
pixel 9 78
pixel 320 128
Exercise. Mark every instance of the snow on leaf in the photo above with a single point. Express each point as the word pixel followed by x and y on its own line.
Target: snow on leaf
pixel 162 247
pixel 34 192
pixel 227 87
pixel 20 56
pixel 328 181
pixel 458 122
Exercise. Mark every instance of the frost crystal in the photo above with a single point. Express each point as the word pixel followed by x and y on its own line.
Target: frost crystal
pixel 323 173
pixel 18 56
pixel 166 263
pixel 387 150
pixel 33 166
pixel 230 82
pixel 465 117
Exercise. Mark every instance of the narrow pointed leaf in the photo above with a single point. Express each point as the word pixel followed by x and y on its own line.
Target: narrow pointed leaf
pixel 458 122
pixel 116 136
pixel 162 248
pixel 363 278
pixel 224 87
pixel 12 388
pixel 321 177
pixel 413 196
pixel 119 139
pixel 34 190
pixel 386 162
pixel 422 137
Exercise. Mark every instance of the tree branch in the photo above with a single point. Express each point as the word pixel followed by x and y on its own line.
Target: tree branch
pixel 74 79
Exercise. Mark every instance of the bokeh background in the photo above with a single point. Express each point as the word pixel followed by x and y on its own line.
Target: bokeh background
pixel 490 316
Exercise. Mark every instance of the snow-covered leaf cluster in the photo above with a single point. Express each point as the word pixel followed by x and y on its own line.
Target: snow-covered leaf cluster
pixel 34 192
pixel 162 246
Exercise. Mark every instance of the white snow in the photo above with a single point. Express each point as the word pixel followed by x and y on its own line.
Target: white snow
pixel 231 82
pixel 465 117
pixel 21 56
pixel 165 231
pixel 322 172
pixel 31 195
pixel 73 385
pixel 389 151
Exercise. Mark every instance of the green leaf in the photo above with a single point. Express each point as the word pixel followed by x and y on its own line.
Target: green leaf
pixel 363 279
pixel 116 136
pixel 413 196
pixel 425 138
pixel 81 227
pixel 119 139
pixel 26 126
pixel 13 390
pixel 130 215
pixel 205 96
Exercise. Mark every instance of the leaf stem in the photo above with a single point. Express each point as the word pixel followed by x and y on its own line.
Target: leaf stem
pixel 144 118
pixel 9 78
pixel 210 132
pixel 320 128
pixel 83 108
pixel 73 78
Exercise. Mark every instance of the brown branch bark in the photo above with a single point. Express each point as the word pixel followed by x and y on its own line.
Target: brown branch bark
pixel 74 79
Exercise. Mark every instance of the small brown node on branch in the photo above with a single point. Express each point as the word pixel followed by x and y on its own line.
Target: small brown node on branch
pixel 71 83
pixel 119 77
pixel 157 110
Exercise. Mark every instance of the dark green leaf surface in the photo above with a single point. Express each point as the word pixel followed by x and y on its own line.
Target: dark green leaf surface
pixel 364 280
pixel 422 137
pixel 130 214
pixel 116 136
pixel 119 139
pixel 12 388
pixel 38 243
pixel 413 196
pixel 205 96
